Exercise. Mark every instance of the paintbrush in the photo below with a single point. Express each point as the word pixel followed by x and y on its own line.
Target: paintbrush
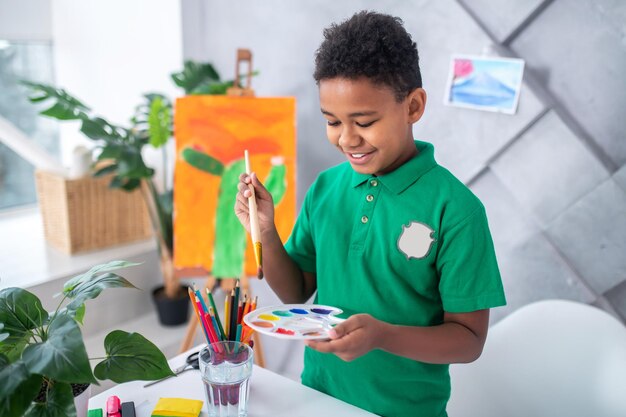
pixel 255 232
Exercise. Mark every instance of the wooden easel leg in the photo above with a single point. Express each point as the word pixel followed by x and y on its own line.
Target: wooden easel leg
pixel 192 326
pixel 190 335
pixel 259 359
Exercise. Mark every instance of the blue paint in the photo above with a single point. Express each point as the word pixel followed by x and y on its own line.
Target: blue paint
pixel 321 311
pixel 299 311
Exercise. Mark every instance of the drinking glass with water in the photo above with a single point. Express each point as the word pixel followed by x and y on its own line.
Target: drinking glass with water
pixel 226 368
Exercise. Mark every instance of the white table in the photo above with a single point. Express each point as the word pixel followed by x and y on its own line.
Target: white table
pixel 271 395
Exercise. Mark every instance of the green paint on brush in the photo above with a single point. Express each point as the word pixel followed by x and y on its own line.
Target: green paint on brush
pixel 202 161
pixel 276 182
pixel 230 236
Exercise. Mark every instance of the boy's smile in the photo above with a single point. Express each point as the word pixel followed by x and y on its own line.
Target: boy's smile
pixel 368 125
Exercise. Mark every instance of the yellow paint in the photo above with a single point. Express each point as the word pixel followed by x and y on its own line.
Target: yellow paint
pixel 268 317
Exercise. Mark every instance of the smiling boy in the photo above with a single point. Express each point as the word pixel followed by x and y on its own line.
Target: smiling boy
pixel 390 237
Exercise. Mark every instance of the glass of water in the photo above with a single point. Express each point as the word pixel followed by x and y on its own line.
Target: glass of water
pixel 226 368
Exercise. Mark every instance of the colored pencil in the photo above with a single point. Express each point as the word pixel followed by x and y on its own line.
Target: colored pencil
pixel 239 312
pixel 203 322
pixel 201 298
pixel 227 317
pixel 216 325
pixel 195 308
pixel 255 230
pixel 212 333
pixel 216 313
pixel 238 337
pixel 233 316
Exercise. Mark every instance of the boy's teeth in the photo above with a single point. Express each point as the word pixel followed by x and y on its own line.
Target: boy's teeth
pixel 358 155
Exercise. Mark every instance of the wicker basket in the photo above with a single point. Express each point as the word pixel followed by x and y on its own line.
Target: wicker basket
pixel 85 214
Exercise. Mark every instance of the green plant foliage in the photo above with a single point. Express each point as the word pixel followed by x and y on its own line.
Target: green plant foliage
pixel 121 362
pixel 41 346
pixel 60 403
pixel 62 355
pixel 66 107
pixel 195 75
pixel 159 122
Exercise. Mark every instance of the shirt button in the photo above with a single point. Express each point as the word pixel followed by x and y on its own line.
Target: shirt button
pixel 369 198
pixel 364 219
pixel 374 183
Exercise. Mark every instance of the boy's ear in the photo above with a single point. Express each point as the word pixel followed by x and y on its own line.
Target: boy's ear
pixel 417 104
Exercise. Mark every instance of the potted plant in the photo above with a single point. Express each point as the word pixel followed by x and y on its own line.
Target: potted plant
pixel 43 360
pixel 122 148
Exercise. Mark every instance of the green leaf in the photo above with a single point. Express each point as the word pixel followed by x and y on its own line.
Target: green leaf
pixel 20 312
pixel 130 164
pixel 3 336
pixel 98 128
pixel 66 106
pixel 212 88
pixel 159 122
pixel 18 388
pixel 62 357
pixel 91 284
pixel 60 403
pixel 110 151
pixel 79 313
pixel 98 269
pixel 131 184
pixel 105 171
pixel 195 74
pixel 130 356
pixel 202 161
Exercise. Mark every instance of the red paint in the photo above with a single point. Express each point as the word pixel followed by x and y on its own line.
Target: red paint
pixel 280 330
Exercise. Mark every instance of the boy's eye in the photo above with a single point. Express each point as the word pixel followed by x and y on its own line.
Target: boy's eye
pixel 366 124
pixel 332 123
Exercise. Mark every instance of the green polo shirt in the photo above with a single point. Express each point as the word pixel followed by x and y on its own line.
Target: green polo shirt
pixel 403 247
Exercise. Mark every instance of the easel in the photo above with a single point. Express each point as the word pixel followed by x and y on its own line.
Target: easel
pixel 228 284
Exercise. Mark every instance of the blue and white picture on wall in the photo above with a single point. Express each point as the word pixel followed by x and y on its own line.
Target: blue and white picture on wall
pixel 484 83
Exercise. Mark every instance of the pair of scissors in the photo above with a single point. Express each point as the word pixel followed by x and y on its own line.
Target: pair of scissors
pixel 191 362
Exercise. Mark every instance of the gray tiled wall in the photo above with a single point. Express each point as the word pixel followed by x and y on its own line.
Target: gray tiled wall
pixel 552 176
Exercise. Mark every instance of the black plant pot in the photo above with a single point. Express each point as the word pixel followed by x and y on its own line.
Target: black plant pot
pixel 171 311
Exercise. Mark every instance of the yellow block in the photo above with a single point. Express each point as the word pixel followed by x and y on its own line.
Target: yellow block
pixel 177 407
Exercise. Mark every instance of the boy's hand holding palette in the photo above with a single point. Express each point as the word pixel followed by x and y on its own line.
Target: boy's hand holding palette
pixel 294 321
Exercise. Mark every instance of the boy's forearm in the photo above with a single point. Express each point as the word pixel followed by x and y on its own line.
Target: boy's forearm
pixel 446 343
pixel 282 273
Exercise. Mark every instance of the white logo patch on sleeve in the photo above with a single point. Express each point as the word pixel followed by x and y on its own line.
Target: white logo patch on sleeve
pixel 415 240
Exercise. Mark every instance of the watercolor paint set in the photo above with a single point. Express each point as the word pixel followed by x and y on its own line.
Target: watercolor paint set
pixel 294 321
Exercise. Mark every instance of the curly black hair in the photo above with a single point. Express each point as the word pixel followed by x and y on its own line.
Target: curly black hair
pixel 371 45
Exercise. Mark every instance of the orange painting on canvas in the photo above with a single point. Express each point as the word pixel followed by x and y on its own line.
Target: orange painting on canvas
pixel 211 134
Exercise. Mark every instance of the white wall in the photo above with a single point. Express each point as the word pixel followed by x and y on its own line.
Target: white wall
pixel 25 20
pixel 108 53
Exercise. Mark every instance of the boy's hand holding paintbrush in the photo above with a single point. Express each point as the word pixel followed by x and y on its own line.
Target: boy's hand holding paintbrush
pixel 284 277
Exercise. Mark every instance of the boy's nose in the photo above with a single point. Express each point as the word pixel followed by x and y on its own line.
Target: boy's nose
pixel 349 138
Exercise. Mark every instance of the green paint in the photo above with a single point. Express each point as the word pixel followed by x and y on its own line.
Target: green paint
pixel 202 161
pixel 276 182
pixel 282 313
pixel 230 236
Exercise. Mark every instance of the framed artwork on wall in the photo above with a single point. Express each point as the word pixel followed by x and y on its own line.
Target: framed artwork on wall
pixel 484 83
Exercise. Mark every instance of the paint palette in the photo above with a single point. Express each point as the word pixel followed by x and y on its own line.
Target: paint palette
pixel 294 321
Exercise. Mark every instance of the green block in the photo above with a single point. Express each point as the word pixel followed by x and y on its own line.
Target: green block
pixel 97 412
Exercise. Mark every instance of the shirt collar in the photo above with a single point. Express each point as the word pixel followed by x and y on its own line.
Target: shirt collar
pixel 401 178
